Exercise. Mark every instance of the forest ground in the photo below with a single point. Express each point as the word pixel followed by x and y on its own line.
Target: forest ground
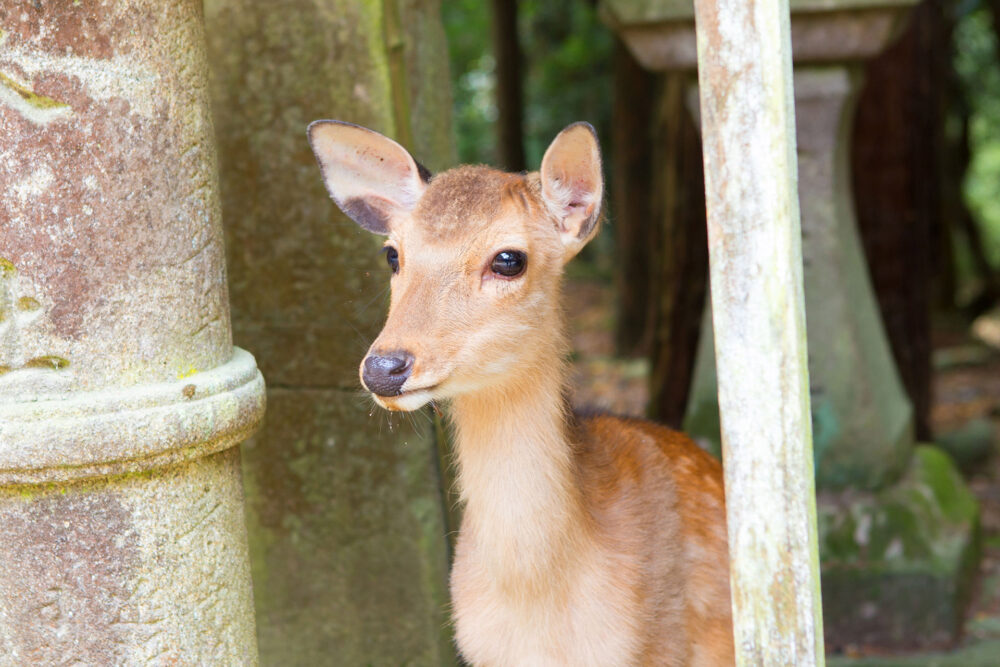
pixel 965 415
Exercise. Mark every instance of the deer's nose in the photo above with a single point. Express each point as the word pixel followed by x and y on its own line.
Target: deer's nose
pixel 385 373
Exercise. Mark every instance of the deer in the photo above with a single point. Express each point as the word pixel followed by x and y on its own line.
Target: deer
pixel 584 540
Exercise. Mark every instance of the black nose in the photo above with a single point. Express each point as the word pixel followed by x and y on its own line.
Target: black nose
pixel 385 373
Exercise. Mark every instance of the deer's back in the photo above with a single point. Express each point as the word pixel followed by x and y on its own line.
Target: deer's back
pixel 654 494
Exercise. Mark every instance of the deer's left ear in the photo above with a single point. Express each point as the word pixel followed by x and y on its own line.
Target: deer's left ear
pixel 572 184
pixel 371 177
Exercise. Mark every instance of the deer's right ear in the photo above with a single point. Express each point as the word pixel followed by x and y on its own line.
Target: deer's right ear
pixel 371 177
pixel 572 184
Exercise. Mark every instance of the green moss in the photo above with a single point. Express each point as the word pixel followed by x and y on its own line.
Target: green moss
pixel 923 520
pixel 34 491
pixel 48 361
pixel 935 470
pixel 979 654
pixel 27 303
pixel 900 535
pixel 7 268
pixel 839 531
pixel 897 563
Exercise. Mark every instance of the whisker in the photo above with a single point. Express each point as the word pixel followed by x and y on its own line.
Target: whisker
pixel 380 294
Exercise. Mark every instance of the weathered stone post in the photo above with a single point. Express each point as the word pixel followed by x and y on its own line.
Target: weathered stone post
pixel 347 536
pixel 755 260
pixel 122 399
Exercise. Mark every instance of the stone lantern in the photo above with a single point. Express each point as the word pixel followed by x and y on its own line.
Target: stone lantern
pixel 897 524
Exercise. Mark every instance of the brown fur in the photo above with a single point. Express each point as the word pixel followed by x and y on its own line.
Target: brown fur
pixel 598 541
pixel 675 491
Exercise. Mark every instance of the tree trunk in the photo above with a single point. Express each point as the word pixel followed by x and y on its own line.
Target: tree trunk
pixel 632 199
pixel 510 98
pixel 898 186
pixel 680 252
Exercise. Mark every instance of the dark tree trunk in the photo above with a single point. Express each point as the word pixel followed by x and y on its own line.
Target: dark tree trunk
pixel 680 252
pixel 510 97
pixel 994 6
pixel 631 199
pixel 898 188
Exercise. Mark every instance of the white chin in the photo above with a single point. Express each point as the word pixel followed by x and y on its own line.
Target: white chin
pixel 405 402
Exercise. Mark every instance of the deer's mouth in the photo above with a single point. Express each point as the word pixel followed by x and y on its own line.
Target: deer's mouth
pixel 407 401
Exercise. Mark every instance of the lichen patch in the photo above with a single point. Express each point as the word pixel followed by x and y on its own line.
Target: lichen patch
pixel 39 109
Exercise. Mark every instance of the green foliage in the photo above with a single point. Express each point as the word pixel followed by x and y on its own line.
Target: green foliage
pixel 568 58
pixel 976 62
pixel 567 73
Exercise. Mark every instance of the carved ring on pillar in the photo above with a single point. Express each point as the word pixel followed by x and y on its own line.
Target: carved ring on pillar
pixel 130 429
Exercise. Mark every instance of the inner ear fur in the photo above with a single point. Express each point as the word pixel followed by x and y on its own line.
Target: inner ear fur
pixel 370 177
pixel 573 183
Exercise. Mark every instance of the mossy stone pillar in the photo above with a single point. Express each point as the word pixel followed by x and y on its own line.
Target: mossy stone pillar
pixel 122 399
pixel 346 520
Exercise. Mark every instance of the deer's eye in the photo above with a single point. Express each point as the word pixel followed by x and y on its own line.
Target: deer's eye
pixel 509 263
pixel 392 257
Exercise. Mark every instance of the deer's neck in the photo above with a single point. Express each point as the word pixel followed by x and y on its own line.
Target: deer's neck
pixel 524 515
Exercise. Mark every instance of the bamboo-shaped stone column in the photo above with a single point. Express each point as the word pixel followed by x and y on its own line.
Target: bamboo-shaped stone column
pixel 122 399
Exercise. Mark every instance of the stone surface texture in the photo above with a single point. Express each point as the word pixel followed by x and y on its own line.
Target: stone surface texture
pixel 898 563
pixel 122 533
pixel 150 568
pixel 344 508
pixel 106 128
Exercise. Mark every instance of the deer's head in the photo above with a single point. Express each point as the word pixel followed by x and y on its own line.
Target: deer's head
pixel 476 257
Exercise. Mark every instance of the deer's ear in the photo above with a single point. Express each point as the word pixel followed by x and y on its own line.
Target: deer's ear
pixel 572 184
pixel 371 177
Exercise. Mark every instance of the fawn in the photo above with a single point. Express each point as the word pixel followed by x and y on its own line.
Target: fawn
pixel 584 541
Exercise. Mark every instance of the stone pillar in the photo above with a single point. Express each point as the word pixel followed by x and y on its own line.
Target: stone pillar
pixel 344 508
pixel 122 399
